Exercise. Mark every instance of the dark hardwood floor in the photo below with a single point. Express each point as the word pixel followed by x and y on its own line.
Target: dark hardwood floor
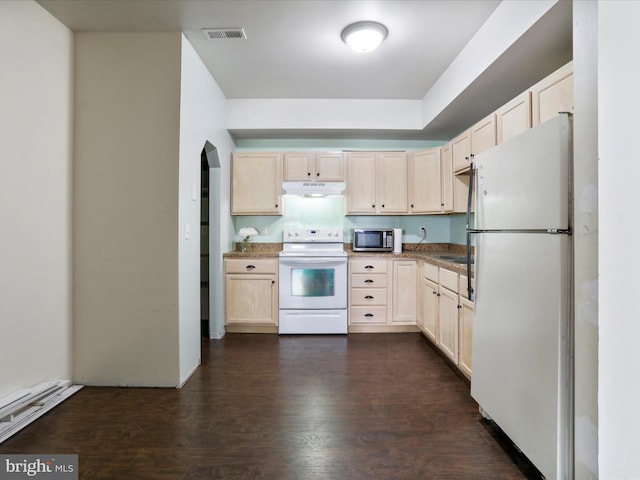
pixel 363 406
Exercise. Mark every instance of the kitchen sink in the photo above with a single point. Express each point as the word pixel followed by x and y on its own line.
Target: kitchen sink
pixel 462 259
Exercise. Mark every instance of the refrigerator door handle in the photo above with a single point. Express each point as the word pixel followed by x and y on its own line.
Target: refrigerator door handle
pixel 469 231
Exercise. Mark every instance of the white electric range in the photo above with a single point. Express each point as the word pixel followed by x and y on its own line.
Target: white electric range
pixel 313 282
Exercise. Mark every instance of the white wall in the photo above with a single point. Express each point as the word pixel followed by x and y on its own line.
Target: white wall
pixel 35 196
pixel 125 255
pixel 202 117
pixel 507 23
pixel 619 262
pixel 585 68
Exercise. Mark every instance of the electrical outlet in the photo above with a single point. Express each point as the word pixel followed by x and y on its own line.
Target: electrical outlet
pixel 422 232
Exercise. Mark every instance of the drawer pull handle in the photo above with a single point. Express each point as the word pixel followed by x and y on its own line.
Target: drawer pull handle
pixel 368 314
pixel 369 267
pixel 369 297
pixel 250 267
pixel 368 281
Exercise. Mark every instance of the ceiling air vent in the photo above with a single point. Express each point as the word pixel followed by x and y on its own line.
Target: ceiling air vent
pixel 223 33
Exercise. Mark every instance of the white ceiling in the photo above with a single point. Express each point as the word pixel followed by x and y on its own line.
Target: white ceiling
pixel 293 47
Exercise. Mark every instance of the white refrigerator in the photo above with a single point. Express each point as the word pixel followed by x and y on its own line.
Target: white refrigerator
pixel 523 321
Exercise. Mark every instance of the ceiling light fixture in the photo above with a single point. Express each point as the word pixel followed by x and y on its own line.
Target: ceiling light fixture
pixel 364 36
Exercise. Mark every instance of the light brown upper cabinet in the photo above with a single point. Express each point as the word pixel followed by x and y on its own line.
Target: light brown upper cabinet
pixel 553 94
pixel 461 151
pixel 425 186
pixel 447 178
pixel 477 139
pixel 377 183
pixel 316 166
pixel 256 183
pixel 514 118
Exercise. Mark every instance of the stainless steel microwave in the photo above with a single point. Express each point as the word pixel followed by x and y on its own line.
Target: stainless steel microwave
pixel 372 240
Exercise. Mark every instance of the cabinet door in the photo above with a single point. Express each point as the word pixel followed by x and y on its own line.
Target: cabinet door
pixel 466 335
pixel 461 193
pixel 483 135
pixel 299 166
pixel 405 293
pixel 251 299
pixel 329 167
pixel 431 312
pixel 425 181
pixel 553 94
pixel 514 118
pixel 361 182
pixel 448 324
pixel 446 172
pixel 461 151
pixel 256 183
pixel 391 182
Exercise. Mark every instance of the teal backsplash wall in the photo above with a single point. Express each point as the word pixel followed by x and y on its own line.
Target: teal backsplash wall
pixel 329 212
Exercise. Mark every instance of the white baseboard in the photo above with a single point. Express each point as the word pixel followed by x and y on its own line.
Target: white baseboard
pixel 21 408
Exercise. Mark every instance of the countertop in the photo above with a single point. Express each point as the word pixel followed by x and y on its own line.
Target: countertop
pixel 423 251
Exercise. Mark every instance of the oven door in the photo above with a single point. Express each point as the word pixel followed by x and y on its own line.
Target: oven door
pixel 314 283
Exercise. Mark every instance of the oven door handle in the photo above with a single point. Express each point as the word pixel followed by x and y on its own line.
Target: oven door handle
pixel 324 261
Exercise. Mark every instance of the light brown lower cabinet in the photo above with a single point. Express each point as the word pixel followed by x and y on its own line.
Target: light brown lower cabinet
pixel 445 314
pixel 448 323
pixel 251 295
pixel 405 292
pixel 465 321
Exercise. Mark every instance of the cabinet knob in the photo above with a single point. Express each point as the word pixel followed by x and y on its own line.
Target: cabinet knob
pixel 250 267
pixel 318 174
pixel 459 307
pixel 308 174
pixel 383 205
pixel 273 282
pixel 373 206
pixel 412 205
pixel 276 205
pixel 437 294
pixel 434 293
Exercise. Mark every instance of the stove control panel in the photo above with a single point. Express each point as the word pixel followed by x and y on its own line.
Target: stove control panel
pixel 306 235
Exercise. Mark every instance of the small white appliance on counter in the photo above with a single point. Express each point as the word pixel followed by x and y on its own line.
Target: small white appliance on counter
pixel 397 240
pixel 523 322
pixel 313 282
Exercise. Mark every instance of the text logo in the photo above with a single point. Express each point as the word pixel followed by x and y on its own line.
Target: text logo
pixel 51 467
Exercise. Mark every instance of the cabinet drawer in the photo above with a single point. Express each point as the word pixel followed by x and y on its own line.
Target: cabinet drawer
pixel 449 279
pixel 369 281
pixel 374 314
pixel 368 265
pixel 431 272
pixel 463 286
pixel 250 265
pixel 368 296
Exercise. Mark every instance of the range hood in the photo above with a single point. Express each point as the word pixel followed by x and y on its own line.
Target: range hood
pixel 314 189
